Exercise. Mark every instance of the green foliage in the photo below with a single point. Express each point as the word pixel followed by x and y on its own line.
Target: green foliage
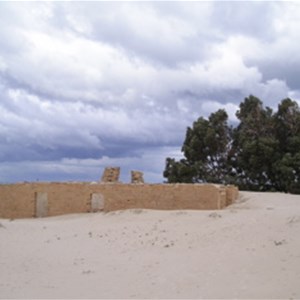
pixel 179 171
pixel 261 153
pixel 205 148
pixel 255 145
pixel 287 165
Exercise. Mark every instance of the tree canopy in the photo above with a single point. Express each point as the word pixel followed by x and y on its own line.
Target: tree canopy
pixel 261 153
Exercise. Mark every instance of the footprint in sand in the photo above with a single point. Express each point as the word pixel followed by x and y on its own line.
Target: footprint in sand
pixel 292 220
pixel 87 272
pixel 215 215
pixel 279 243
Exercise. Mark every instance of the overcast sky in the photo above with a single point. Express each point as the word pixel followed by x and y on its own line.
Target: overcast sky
pixel 84 85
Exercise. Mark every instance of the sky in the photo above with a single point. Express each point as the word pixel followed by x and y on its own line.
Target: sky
pixel 88 85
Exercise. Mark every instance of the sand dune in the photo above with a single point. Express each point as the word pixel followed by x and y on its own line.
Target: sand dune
pixel 249 250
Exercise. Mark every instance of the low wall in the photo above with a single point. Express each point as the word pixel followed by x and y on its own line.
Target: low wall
pixel 25 200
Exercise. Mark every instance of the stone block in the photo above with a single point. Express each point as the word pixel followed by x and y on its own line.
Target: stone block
pixel 137 177
pixel 111 174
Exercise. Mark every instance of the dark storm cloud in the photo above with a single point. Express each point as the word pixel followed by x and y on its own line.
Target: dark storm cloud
pixel 157 32
pixel 89 84
pixel 288 71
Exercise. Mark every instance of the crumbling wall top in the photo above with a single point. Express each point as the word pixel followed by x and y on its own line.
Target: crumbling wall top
pixel 111 174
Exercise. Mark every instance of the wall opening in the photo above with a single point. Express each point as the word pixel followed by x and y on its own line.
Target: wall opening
pixel 41 207
pixel 97 202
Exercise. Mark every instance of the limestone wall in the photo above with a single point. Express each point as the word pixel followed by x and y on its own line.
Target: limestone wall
pixel 27 200
pixel 111 174
pixel 232 193
pixel 137 177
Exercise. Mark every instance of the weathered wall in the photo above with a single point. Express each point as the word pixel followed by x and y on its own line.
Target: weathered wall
pixel 22 200
pixel 137 177
pixel 232 193
pixel 111 174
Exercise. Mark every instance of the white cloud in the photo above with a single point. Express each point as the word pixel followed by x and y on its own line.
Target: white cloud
pixel 212 106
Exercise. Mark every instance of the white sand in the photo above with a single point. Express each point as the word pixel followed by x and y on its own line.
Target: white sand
pixel 249 250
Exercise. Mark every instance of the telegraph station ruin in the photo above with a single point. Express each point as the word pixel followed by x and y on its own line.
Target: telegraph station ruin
pixel 111 175
pixel 41 199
